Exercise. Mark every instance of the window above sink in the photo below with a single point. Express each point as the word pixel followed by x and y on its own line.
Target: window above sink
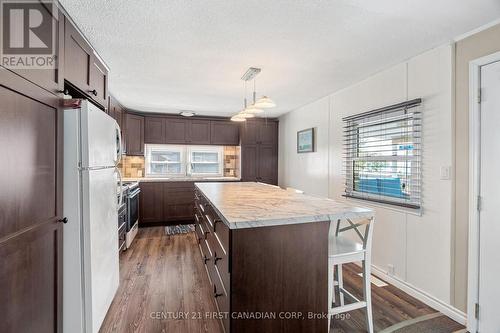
pixel 184 161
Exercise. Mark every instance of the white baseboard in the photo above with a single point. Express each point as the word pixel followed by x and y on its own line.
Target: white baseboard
pixel 422 296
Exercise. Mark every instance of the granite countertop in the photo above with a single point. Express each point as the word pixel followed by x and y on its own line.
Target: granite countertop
pixel 182 179
pixel 249 205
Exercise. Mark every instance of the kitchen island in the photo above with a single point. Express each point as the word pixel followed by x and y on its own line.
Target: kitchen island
pixel 266 253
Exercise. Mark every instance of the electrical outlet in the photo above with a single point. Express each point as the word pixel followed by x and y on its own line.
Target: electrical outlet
pixel 390 269
pixel 445 172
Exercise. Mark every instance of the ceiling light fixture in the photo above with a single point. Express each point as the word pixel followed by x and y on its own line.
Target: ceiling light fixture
pixel 249 111
pixel 187 113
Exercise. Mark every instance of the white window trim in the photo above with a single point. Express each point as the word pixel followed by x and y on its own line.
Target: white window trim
pixel 182 160
pixel 220 152
pixel 352 193
pixel 185 160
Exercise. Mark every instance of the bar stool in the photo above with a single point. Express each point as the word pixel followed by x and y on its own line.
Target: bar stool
pixel 342 250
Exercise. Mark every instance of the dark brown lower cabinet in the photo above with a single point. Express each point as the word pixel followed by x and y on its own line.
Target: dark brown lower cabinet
pixel 178 201
pixel 31 206
pixel 166 202
pixel 151 203
pixel 266 271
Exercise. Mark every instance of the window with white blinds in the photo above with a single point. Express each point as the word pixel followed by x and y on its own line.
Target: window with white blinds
pixel 383 155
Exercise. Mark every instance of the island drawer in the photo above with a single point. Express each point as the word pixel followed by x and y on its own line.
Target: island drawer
pixel 221 261
pixel 222 232
pixel 222 299
pixel 209 219
pixel 199 232
pixel 199 206
pixel 205 253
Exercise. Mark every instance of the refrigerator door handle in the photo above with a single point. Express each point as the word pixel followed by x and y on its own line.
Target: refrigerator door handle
pixel 119 143
pixel 120 186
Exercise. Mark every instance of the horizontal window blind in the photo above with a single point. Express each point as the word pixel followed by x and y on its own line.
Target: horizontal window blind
pixel 383 155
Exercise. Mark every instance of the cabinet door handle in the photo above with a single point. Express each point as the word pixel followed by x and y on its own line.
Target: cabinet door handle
pixel 206 260
pixel 63 220
pixel 93 92
pixel 216 258
pixel 215 292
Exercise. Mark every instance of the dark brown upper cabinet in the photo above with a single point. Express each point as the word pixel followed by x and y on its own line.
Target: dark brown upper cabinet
pixel 82 68
pixel 115 110
pixel 134 134
pixel 175 130
pixel 268 133
pixel 154 130
pixel 77 57
pixel 224 132
pixel 198 132
pixel 249 132
pixel 98 81
pixel 259 131
pixel 178 130
pixel 52 79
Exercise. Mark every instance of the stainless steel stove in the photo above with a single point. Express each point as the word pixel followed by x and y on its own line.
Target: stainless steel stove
pixel 132 201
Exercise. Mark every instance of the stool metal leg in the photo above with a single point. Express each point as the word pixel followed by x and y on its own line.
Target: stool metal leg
pixel 367 294
pixel 341 284
pixel 331 291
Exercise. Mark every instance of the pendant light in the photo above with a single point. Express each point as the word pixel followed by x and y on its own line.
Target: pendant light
pixel 265 103
pixel 252 108
pixel 238 118
pixel 244 114
pixel 249 111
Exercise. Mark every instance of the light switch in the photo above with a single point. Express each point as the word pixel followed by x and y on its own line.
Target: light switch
pixel 445 173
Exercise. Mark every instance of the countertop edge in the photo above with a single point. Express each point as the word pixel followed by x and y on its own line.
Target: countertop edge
pixel 370 213
pixel 173 180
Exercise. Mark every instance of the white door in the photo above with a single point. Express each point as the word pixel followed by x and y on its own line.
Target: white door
pixel 100 224
pixel 101 139
pixel 489 217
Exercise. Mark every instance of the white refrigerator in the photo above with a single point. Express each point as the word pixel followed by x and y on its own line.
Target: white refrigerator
pixel 92 150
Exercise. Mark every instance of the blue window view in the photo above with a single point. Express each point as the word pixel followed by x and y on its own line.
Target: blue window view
pixel 383 164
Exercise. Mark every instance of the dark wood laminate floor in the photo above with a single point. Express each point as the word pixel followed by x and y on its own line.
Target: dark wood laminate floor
pixel 163 274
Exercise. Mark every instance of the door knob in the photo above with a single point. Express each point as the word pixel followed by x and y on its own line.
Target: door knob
pixel 63 220
pixel 94 92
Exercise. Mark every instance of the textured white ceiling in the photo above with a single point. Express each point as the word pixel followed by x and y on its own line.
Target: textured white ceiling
pixel 171 55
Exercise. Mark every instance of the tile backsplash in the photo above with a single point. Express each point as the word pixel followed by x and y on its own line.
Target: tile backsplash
pixel 134 166
pixel 231 161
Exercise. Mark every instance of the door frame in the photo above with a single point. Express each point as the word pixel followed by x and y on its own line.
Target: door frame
pixel 474 181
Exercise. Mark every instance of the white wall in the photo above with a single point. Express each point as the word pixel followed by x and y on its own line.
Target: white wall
pixel 309 171
pixel 418 247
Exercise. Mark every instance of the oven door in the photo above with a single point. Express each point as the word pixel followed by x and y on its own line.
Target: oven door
pixel 133 208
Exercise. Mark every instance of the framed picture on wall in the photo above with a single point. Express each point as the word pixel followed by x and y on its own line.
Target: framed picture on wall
pixel 305 141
